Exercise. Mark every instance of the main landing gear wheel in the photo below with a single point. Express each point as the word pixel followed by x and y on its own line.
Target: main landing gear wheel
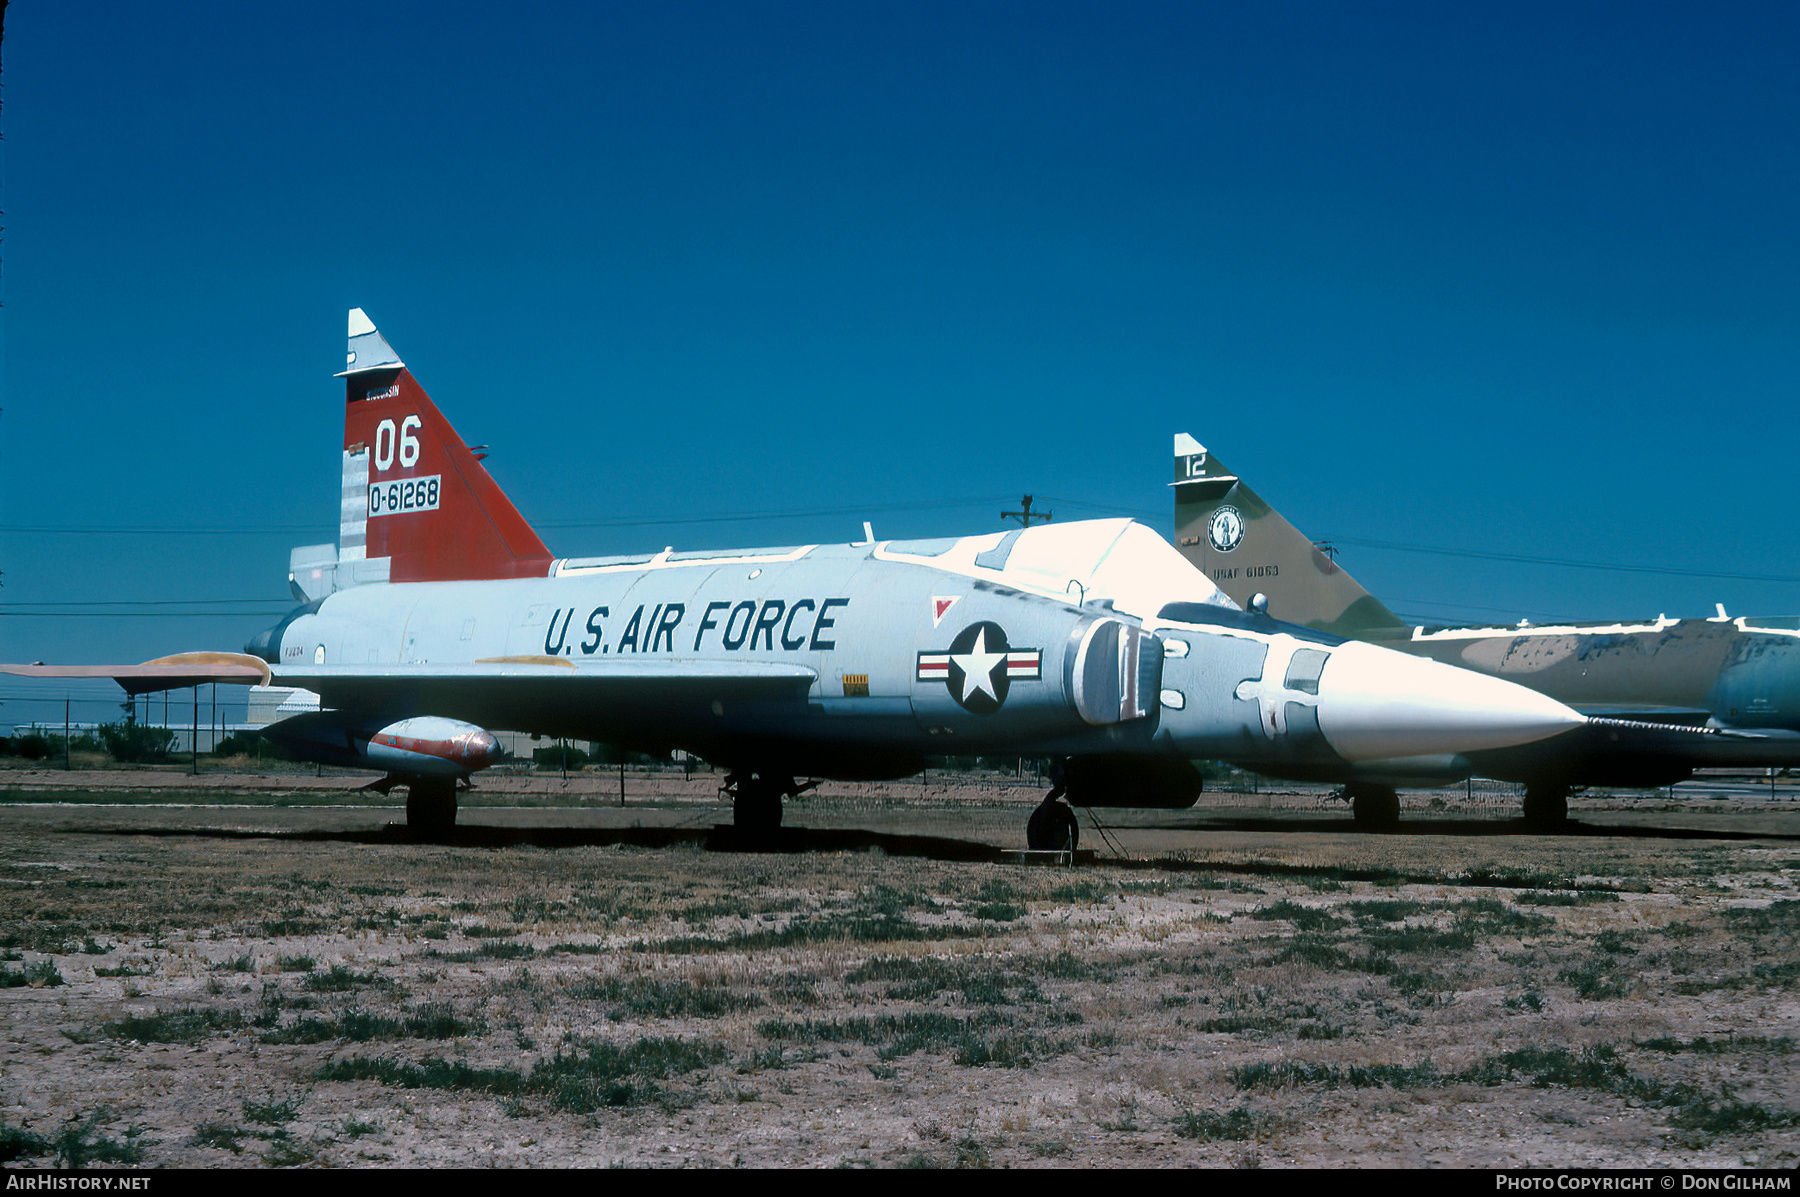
pixel 431 807
pixel 756 803
pixel 1546 807
pixel 1374 808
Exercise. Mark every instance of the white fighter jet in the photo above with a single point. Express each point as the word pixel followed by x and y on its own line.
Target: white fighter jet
pixel 440 614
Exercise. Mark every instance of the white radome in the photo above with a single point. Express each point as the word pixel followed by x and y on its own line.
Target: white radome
pixel 1375 703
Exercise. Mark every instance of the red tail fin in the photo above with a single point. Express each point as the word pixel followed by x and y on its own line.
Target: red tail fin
pixel 413 492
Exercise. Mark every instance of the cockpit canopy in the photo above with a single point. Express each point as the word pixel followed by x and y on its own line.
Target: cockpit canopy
pixel 1118 561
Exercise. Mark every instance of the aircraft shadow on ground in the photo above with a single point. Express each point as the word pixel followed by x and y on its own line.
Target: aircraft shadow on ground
pixel 1466 828
pixel 722 838
pixel 796 840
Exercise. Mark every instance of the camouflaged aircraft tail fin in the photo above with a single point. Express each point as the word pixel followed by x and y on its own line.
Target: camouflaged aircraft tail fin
pixel 1245 547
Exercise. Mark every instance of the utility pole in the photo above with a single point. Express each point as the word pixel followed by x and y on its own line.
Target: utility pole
pixel 196 729
pixel 1026 515
pixel 65 733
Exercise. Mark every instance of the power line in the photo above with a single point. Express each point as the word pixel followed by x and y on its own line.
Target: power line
pixel 1560 561
pixel 114 701
pixel 817 513
pixel 141 614
pixel 320 529
pixel 75 530
pixel 1510 612
pixel 1138 513
pixel 1673 571
pixel 139 602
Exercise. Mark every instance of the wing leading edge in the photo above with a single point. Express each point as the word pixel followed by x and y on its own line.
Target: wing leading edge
pixel 163 673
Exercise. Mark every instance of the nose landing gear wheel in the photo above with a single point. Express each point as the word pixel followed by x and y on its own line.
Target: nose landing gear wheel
pixel 1052 828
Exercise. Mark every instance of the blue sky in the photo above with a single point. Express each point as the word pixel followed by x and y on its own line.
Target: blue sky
pixel 1514 278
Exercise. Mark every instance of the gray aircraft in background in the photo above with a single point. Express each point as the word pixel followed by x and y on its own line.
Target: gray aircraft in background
pixel 440 614
pixel 1679 694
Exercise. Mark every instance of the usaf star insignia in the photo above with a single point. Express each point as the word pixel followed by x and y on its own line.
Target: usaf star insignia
pixel 981 667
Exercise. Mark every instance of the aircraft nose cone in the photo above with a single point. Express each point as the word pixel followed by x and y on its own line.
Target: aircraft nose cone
pixel 1376 703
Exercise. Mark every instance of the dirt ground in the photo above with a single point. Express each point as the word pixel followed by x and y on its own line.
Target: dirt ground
pixel 253 971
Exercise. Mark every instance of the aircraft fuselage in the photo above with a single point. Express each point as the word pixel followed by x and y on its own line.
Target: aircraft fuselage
pixel 860 660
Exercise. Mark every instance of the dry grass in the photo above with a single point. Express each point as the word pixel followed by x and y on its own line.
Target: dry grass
pixel 293 988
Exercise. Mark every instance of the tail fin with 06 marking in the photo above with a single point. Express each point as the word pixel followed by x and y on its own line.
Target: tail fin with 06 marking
pixel 415 496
